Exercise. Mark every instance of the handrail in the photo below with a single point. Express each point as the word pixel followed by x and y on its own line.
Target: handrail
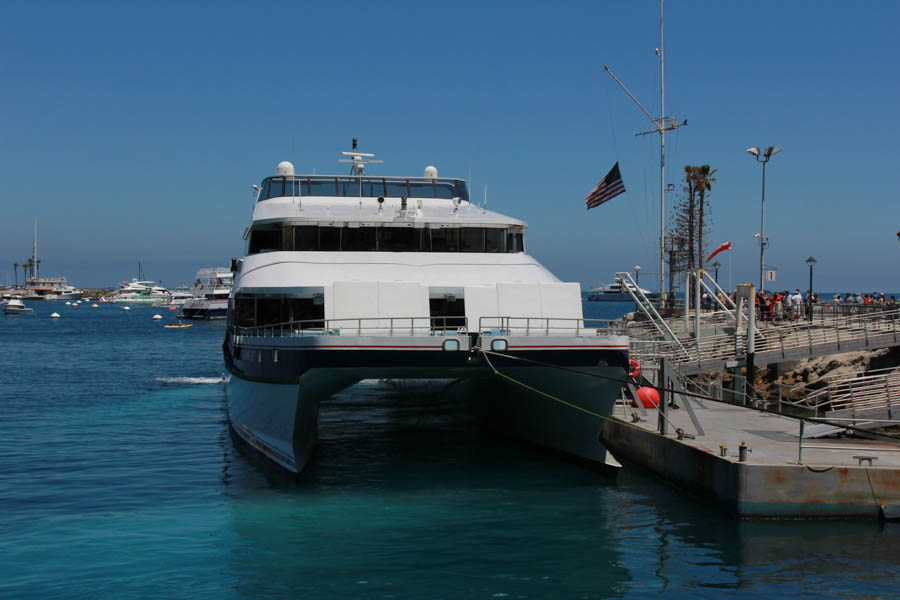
pixel 458 325
pixel 547 325
pixel 625 280
pixel 392 325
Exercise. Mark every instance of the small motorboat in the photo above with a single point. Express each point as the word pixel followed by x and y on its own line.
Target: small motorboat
pixel 15 307
pixel 178 325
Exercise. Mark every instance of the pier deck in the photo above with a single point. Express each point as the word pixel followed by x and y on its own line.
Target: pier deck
pixel 829 482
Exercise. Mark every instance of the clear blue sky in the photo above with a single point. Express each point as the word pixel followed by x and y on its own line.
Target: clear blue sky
pixel 133 131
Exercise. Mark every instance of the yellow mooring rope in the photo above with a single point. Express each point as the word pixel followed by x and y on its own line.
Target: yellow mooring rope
pixel 561 401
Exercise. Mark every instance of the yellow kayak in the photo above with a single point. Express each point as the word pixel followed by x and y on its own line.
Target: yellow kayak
pixel 178 326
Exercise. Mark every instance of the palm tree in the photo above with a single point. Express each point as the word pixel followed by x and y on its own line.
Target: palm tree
pixel 16 271
pixel 690 179
pixel 703 180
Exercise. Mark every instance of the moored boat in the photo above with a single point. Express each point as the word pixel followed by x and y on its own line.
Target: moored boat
pixel 357 277
pixel 16 307
pixel 209 294
pixel 617 292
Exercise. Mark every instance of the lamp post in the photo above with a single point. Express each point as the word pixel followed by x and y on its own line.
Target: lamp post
pixel 763 157
pixel 637 274
pixel 716 266
pixel 810 261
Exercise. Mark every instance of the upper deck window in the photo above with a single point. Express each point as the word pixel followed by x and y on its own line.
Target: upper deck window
pixel 320 238
pixel 367 187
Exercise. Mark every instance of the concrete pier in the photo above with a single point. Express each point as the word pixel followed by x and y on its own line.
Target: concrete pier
pixel 831 478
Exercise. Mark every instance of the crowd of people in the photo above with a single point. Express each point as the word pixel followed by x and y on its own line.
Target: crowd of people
pixel 790 306
pixel 874 298
pixel 784 305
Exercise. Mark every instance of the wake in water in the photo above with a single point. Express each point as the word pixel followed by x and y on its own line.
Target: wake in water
pixel 190 380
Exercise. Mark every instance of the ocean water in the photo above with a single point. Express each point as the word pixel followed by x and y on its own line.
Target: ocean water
pixel 119 479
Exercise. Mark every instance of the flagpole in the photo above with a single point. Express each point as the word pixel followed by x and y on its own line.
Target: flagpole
pixel 662 165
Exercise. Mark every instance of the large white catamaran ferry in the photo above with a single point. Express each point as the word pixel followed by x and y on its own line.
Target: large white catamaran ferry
pixel 358 277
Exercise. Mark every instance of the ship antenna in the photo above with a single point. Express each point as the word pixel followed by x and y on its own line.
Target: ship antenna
pixel 359 160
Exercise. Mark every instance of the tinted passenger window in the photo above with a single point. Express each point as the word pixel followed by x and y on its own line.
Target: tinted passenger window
pixel 268 311
pixel 471 239
pixel 308 311
pixel 358 239
pixel 398 239
pixel 243 312
pixel 514 243
pixel 445 240
pixel 263 240
pixel 306 238
pixel 329 238
pixel 494 240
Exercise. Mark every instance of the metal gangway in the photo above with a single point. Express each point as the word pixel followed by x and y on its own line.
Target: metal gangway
pixel 796 340
pixel 656 321
pixel 866 399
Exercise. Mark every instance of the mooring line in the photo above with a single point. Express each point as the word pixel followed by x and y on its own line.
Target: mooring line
pixel 672 390
pixel 569 404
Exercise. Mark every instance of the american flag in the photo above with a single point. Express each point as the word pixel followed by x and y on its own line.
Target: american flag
pixel 608 188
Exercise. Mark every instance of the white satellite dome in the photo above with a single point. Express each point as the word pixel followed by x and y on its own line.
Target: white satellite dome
pixel 430 172
pixel 285 168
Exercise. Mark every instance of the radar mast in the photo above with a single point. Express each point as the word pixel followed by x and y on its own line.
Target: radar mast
pixel 359 160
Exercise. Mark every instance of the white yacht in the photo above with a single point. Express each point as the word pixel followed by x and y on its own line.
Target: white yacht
pixel 617 292
pixel 140 292
pixel 16 307
pixel 210 294
pixel 358 277
pixel 175 299
pixel 49 288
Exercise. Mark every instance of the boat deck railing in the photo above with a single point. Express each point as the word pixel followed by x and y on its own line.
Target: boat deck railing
pixel 436 326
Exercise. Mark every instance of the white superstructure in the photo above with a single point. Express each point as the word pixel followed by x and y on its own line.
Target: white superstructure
pixel 355 277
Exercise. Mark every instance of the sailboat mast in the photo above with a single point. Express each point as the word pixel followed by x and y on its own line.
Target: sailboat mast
pixel 34 250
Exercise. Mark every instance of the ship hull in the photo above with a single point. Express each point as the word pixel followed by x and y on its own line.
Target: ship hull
pixel 205 309
pixel 558 409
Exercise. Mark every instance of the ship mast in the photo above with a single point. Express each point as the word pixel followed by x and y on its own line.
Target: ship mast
pixel 34 251
pixel 661 126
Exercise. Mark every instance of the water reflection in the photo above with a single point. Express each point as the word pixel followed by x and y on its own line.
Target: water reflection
pixel 405 496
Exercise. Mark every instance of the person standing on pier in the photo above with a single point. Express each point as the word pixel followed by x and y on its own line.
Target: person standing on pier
pixel 796 303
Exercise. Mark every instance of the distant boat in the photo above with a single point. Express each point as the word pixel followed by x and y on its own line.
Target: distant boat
pixel 141 291
pixel 616 292
pixel 15 307
pixel 210 291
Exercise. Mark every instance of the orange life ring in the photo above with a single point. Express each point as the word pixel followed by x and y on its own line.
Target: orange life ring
pixel 635 368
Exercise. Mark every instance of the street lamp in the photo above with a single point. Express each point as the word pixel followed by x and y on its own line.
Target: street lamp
pixel 637 274
pixel 716 266
pixel 810 261
pixel 763 157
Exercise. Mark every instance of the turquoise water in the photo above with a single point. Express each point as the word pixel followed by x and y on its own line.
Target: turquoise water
pixel 119 479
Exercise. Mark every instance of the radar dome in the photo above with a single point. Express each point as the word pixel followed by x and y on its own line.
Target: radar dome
pixel 285 168
pixel 430 172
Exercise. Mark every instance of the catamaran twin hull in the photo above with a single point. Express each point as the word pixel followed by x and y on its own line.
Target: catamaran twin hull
pixel 277 383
